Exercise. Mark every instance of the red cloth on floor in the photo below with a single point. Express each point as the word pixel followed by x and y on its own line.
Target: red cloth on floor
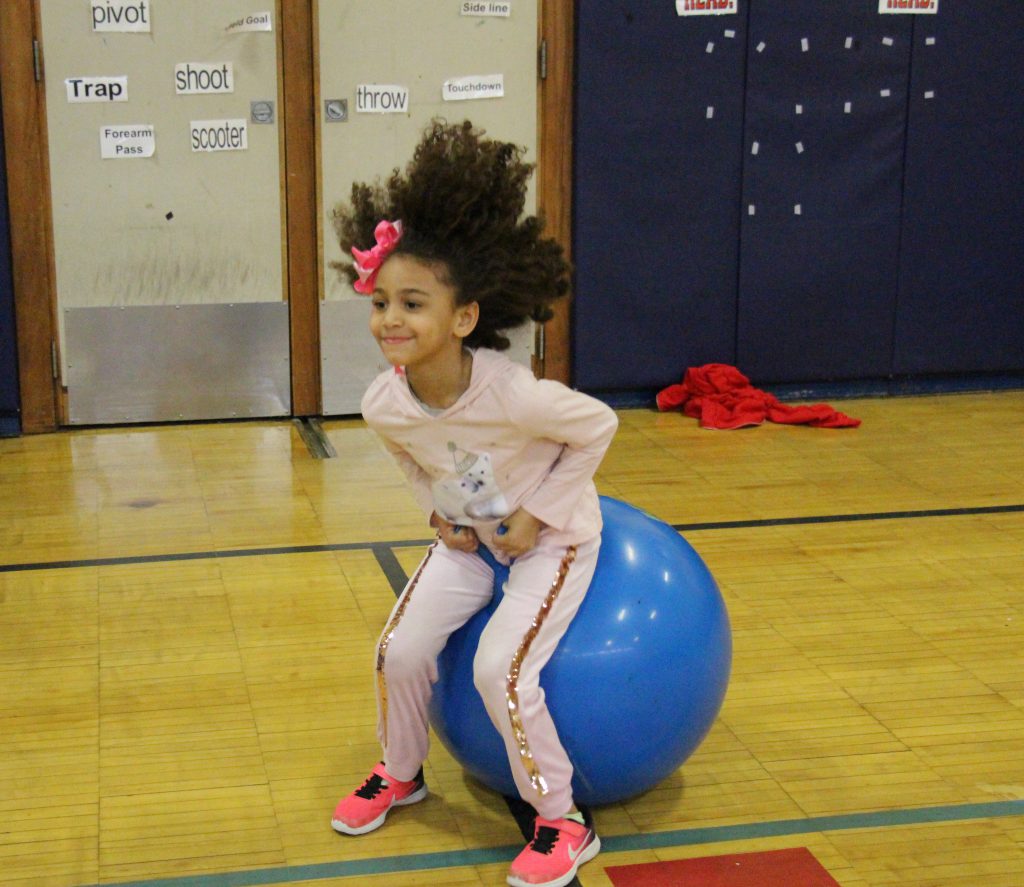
pixel 720 396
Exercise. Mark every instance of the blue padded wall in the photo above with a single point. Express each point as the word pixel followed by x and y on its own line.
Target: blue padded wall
pixel 656 193
pixel 961 289
pixel 819 247
pixel 906 256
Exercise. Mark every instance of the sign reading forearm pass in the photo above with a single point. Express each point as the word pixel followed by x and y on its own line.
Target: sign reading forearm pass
pixel 127 141
pixel 920 7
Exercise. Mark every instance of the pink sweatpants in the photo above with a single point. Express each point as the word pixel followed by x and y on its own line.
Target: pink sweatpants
pixel 543 593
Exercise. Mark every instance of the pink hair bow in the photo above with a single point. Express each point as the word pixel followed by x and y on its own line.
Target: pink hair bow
pixel 368 262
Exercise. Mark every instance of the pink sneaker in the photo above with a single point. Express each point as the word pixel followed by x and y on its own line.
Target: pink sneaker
pixel 367 807
pixel 559 847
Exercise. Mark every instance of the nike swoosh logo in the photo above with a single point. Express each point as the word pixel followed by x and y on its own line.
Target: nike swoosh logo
pixel 579 850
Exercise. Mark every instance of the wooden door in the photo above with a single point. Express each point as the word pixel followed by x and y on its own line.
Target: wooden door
pixel 165 168
pixel 382 68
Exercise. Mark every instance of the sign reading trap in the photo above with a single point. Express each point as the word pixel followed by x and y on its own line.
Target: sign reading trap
pixel 96 89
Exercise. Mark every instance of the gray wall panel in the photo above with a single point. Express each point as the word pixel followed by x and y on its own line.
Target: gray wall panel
pixel 158 363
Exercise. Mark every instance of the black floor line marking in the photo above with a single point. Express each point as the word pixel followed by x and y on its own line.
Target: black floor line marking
pixel 392 568
pixel 206 555
pixel 848 518
pixel 409 543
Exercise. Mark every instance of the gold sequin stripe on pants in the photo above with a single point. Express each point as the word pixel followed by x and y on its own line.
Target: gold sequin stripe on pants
pixel 385 640
pixel 512 680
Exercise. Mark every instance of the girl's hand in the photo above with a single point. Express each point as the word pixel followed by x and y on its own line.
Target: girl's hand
pixel 522 529
pixel 454 536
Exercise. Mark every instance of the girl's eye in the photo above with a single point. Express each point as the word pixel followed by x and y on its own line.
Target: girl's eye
pixel 378 304
pixel 411 305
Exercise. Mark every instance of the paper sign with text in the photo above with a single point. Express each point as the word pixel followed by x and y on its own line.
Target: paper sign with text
pixel 219 135
pixel 382 98
pixel 706 7
pixel 482 86
pixel 256 21
pixel 97 89
pixel 193 78
pixel 912 7
pixel 120 15
pixel 482 8
pixel 127 140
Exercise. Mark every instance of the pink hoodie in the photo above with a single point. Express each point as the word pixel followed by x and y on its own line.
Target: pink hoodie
pixel 510 441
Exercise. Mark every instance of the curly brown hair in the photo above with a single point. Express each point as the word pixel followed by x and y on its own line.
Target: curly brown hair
pixel 460 200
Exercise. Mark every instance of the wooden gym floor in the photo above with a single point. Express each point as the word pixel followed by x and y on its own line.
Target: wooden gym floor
pixel 188 613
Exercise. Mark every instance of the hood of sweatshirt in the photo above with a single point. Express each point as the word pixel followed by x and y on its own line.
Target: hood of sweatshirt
pixel 487 365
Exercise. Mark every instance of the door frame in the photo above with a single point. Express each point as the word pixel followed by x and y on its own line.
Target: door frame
pixel 43 404
pixel 554 165
pixel 28 196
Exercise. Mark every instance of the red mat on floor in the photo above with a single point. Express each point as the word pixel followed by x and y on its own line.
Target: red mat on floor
pixel 772 868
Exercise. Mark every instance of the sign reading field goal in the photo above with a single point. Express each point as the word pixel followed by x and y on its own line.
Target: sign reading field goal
pixel 260 21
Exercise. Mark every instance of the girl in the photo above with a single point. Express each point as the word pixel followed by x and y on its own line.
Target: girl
pixel 494 456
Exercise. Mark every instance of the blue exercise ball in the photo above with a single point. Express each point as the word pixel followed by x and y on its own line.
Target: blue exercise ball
pixel 637 680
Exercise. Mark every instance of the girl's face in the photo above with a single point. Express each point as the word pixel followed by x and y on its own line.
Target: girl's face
pixel 414 317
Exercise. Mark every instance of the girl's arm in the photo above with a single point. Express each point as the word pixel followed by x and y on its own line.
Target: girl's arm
pixel 418 479
pixel 584 426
